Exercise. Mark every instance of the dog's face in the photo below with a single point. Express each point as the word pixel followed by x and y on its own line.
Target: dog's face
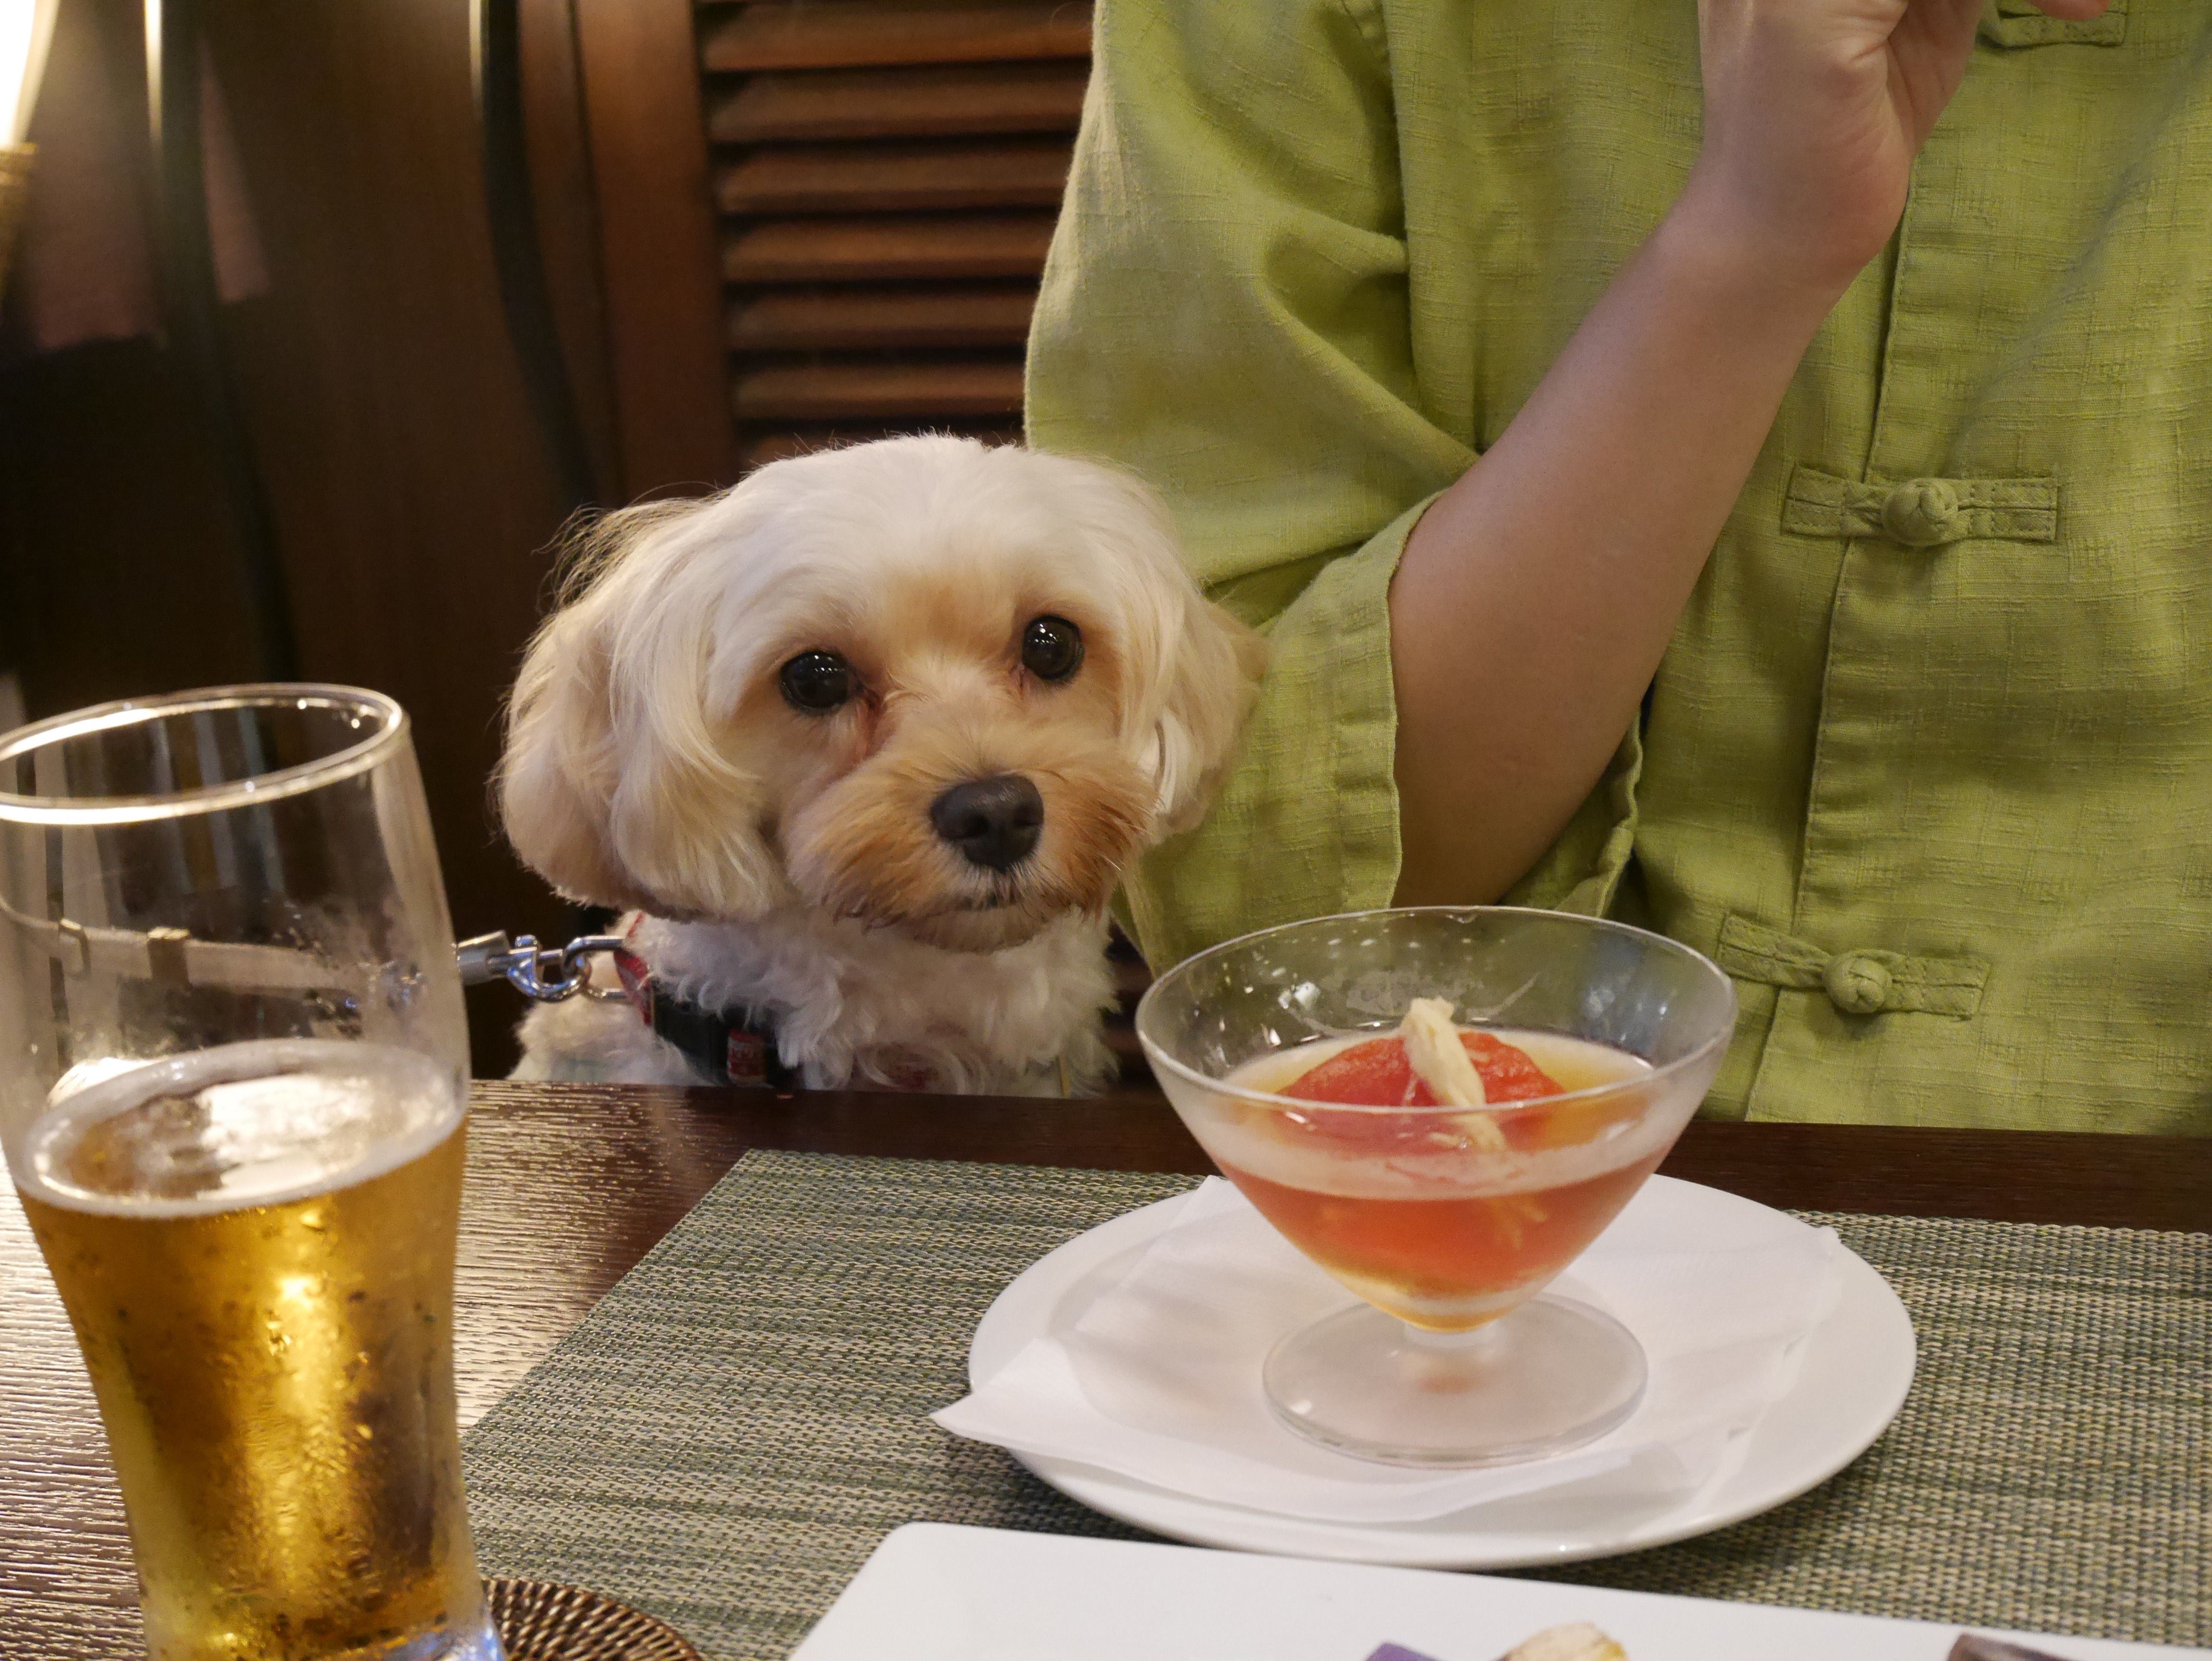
pixel 944 688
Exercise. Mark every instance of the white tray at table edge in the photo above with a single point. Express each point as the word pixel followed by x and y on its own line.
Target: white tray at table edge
pixel 1851 1381
pixel 938 1591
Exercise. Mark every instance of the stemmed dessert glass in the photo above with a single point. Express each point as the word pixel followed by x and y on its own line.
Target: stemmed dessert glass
pixel 233 1076
pixel 1448 1222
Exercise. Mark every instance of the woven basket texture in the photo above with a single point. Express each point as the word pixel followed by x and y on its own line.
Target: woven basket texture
pixel 728 1434
pixel 540 1621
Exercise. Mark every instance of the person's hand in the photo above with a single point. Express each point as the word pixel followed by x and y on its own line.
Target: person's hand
pixel 1814 110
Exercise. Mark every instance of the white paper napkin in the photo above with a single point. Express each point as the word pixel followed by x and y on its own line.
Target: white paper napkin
pixel 1159 1378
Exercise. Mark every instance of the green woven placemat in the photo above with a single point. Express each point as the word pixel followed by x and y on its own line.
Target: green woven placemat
pixel 729 1433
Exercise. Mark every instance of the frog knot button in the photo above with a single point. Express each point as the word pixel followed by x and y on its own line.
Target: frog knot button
pixel 1921 512
pixel 1858 983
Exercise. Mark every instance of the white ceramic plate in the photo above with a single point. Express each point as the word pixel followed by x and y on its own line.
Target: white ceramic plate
pixel 1851 1382
pixel 932 1592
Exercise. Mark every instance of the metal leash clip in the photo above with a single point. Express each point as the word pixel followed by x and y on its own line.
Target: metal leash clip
pixel 546 974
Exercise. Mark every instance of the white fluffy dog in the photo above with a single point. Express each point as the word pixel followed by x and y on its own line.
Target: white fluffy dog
pixel 864 743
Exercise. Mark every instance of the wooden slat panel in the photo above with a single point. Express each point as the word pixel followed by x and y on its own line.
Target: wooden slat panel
pixel 758 449
pixel 814 320
pixel 876 392
pixel 901 103
pixel 564 194
pixel 804 34
pixel 644 105
pixel 923 247
pixel 900 177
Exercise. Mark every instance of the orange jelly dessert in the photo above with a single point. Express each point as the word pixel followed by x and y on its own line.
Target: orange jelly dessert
pixel 1446 1214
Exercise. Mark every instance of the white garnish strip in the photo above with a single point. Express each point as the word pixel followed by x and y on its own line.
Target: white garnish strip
pixel 1440 1062
pixel 1432 1045
pixel 1580 1642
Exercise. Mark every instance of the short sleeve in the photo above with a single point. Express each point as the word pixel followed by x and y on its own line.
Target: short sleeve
pixel 1581 872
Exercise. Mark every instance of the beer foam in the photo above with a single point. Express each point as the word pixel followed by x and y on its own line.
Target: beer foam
pixel 242 1124
pixel 1241 1134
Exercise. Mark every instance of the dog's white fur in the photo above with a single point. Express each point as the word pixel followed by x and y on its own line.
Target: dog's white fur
pixel 786 859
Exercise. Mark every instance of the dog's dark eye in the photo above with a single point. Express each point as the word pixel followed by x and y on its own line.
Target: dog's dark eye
pixel 1052 648
pixel 816 682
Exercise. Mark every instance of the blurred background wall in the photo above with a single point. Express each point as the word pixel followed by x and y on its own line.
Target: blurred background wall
pixel 759 226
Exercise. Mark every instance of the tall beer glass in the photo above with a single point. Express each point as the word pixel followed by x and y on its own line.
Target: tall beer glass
pixel 232 1065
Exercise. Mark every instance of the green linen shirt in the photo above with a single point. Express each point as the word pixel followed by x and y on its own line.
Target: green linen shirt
pixel 1928 766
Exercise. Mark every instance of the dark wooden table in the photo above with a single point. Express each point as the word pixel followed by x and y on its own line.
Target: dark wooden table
pixel 570 1185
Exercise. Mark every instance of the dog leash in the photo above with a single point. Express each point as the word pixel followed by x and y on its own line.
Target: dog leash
pixel 735 1046
pixel 543 974
pixel 174 958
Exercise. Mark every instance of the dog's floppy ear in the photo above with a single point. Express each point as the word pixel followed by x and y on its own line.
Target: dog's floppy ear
pixel 1192 670
pixel 1214 665
pixel 558 776
pixel 614 785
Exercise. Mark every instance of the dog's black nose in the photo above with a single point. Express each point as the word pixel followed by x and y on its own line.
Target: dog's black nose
pixel 993 822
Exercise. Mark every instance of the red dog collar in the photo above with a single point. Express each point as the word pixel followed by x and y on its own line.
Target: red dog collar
pixel 734 1046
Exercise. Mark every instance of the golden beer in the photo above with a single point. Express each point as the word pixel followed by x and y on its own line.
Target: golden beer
pixel 255 1244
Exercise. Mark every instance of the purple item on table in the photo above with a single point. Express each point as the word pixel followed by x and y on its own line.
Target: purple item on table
pixel 1397 1653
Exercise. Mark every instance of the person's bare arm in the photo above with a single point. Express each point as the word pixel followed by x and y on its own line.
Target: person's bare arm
pixel 1537 595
